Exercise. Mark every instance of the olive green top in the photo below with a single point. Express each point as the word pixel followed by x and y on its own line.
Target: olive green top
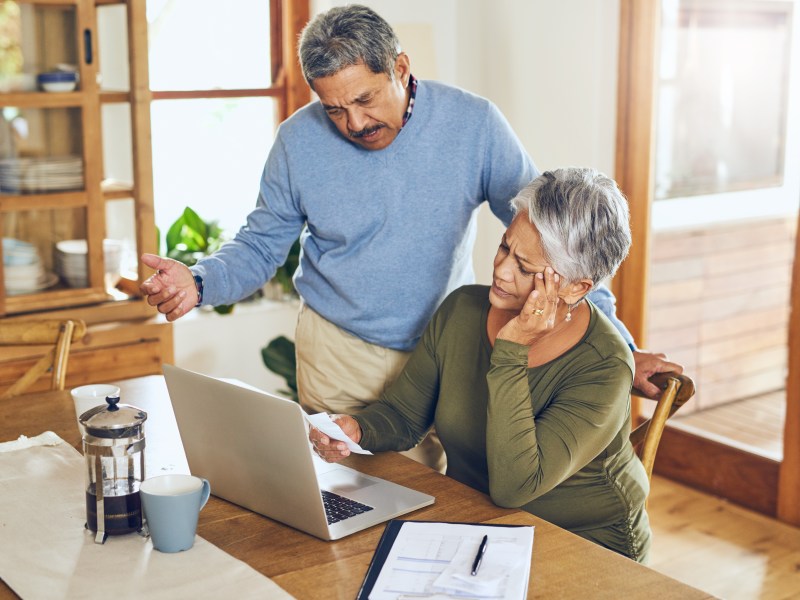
pixel 551 439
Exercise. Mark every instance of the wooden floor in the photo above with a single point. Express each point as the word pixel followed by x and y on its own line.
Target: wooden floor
pixel 755 424
pixel 721 548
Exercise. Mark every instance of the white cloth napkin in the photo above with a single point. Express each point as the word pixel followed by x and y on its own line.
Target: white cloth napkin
pixel 503 563
pixel 45 551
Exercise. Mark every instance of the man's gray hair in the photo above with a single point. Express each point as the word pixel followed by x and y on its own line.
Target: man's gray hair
pixel 346 36
pixel 583 220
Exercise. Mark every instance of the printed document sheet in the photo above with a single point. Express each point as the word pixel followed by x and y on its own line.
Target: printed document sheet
pixel 436 559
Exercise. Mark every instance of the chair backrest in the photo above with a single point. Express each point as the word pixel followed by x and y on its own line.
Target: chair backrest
pixel 676 389
pixel 59 334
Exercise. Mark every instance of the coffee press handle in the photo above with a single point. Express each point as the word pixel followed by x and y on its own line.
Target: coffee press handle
pixel 205 493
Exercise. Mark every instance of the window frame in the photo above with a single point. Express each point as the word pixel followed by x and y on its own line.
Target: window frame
pixel 289 88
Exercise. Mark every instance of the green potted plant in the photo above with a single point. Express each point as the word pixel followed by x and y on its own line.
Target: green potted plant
pixel 285 272
pixel 278 357
pixel 190 238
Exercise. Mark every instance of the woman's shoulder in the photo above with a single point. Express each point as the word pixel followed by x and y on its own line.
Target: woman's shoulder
pixel 605 340
pixel 462 304
pixel 467 297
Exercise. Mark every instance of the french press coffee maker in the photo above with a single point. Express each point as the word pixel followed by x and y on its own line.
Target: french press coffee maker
pixel 113 447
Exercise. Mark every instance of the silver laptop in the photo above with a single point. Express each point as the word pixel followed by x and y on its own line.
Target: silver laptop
pixel 253 448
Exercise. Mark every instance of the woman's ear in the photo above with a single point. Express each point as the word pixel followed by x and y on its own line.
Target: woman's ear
pixel 572 292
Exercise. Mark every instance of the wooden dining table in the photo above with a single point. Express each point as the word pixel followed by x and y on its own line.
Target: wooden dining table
pixel 563 564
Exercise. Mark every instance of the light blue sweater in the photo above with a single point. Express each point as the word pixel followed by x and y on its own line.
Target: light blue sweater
pixel 389 233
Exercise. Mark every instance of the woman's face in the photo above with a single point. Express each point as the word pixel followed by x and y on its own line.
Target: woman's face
pixel 519 257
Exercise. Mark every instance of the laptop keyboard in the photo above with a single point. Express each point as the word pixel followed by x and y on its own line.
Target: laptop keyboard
pixel 338 508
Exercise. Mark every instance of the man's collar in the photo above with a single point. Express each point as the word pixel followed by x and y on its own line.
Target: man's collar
pixel 412 87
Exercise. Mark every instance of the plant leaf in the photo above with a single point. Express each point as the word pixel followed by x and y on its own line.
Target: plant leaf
pixel 193 239
pixel 174 233
pixel 279 357
pixel 214 230
pixel 196 224
pixel 224 309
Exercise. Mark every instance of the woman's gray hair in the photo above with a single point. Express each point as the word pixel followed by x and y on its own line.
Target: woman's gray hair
pixel 583 221
pixel 346 36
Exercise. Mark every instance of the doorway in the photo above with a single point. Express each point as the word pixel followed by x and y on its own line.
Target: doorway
pixel 716 204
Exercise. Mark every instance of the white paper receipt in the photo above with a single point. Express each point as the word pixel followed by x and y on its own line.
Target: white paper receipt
pixel 323 422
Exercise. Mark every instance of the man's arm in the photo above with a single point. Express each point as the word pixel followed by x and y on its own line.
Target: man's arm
pixel 171 288
pixel 242 265
pixel 647 363
pixel 602 297
pixel 507 167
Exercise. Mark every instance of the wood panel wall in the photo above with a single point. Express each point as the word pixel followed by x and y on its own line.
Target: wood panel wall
pixel 719 305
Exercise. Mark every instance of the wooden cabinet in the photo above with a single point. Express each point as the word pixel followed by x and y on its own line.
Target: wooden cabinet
pixel 76 194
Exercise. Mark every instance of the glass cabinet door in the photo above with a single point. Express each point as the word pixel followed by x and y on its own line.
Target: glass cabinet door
pixel 52 212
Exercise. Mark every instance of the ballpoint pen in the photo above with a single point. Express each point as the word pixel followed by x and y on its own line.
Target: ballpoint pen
pixel 479 556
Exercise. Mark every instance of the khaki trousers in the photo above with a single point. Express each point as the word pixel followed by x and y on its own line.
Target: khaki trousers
pixel 338 372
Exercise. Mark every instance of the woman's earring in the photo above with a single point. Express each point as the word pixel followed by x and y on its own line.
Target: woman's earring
pixel 569 312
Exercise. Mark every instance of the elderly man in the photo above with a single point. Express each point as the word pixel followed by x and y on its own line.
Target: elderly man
pixel 383 176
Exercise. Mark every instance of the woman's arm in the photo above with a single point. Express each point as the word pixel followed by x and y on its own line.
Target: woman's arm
pixel 529 454
pixel 402 416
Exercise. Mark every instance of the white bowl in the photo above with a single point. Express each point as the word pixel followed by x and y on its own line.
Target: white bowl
pixel 94 391
pixel 23 272
pixel 58 81
pixel 17 252
pixel 70 262
pixel 58 86
pixel 89 396
pixel 72 246
pixel 75 281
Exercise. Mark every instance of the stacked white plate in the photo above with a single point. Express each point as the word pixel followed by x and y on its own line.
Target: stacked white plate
pixel 45 174
pixel 71 262
pixel 23 269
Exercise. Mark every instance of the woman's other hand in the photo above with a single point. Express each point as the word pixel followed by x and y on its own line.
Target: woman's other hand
pixel 538 313
pixel 331 450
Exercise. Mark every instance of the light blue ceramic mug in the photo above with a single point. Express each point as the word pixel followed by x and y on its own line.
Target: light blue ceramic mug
pixel 171 505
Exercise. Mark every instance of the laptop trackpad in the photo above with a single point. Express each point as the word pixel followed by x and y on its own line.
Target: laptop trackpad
pixel 344 481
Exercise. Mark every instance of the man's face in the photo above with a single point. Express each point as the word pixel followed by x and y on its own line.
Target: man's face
pixel 367 108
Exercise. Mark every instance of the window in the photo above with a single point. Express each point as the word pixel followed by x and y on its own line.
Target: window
pixel 221 79
pixel 722 98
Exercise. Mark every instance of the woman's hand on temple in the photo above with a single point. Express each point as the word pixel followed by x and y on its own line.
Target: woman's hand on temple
pixel 331 450
pixel 538 314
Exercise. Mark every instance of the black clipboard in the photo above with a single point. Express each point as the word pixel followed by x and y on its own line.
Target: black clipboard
pixel 385 544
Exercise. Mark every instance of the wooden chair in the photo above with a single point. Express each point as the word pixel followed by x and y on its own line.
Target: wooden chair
pixel 676 390
pixel 54 332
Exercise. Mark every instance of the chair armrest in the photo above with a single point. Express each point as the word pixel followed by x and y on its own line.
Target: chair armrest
pixel 685 390
pixel 661 381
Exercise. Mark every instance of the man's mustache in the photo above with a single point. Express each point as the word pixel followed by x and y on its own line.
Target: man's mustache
pixel 366 131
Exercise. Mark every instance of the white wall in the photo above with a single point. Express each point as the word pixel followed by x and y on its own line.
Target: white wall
pixel 549 66
pixel 230 345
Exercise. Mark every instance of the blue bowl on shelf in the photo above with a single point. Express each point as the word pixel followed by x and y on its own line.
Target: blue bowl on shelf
pixel 57 81
pixel 16 252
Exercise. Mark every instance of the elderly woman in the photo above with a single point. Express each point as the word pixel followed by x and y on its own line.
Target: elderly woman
pixel 527 382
